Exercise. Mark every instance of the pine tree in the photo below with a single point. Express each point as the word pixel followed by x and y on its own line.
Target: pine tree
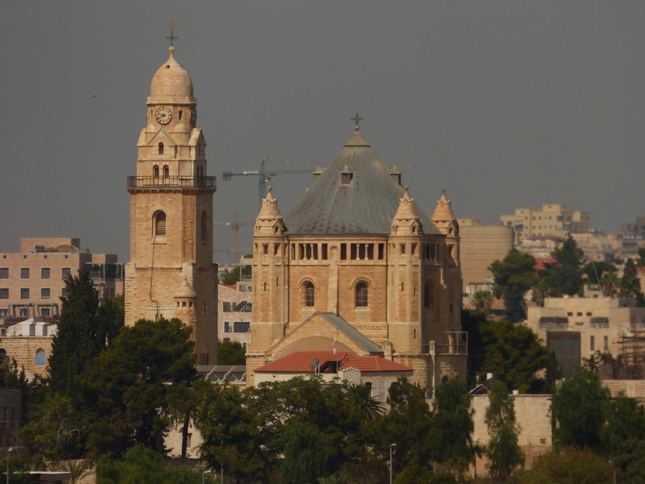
pixel 503 449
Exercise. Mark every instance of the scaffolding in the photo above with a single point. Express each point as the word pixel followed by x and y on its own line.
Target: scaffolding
pixel 630 363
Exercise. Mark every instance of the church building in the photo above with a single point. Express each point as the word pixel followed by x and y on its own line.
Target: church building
pixel 358 267
pixel 171 273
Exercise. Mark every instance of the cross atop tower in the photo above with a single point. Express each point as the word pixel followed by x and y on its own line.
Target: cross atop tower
pixel 172 35
pixel 357 119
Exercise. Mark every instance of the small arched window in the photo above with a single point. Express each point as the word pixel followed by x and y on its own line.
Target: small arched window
pixel 160 223
pixel 155 171
pixel 427 295
pixel 40 357
pixel 309 294
pixel 361 295
pixel 166 171
pixel 161 148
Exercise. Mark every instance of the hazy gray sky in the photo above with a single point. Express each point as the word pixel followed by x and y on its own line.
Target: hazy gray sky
pixel 505 103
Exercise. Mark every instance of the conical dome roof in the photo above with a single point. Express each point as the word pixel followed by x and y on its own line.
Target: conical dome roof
pixel 443 211
pixel 171 80
pixel 355 194
pixel 269 210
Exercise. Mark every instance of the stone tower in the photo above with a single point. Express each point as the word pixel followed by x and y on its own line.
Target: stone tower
pixel 358 266
pixel 171 271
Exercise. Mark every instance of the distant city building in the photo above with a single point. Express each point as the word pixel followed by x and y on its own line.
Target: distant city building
pixel 171 272
pixel 576 328
pixel 553 219
pixel 235 305
pixel 632 237
pixel 480 246
pixel 32 280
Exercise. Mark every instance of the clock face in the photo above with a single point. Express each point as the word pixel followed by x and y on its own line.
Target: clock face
pixel 163 115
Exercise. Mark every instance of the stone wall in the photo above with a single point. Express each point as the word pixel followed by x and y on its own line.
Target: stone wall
pixel 533 413
pixel 24 348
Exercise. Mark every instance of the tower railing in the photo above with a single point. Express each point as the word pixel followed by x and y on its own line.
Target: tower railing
pixel 206 182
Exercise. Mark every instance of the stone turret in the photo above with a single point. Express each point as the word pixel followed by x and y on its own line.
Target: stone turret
pixel 445 220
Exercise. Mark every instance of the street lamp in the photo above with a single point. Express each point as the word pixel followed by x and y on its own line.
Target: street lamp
pixel 391 461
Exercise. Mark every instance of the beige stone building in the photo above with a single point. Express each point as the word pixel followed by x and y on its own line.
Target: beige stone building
pixel 480 246
pixel 552 219
pixel 234 306
pixel 576 328
pixel 171 271
pixel 358 264
pixel 30 344
pixel 32 280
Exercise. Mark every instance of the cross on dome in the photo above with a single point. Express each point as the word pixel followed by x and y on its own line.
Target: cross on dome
pixel 357 119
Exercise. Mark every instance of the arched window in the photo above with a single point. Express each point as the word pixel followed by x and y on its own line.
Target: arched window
pixel 166 171
pixel 160 223
pixel 155 171
pixel 309 293
pixel 361 295
pixel 204 232
pixel 40 357
pixel 161 148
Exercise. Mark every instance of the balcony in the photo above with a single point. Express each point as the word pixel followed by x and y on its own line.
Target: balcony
pixel 172 182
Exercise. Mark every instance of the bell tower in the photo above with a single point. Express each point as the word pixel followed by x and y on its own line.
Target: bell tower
pixel 171 271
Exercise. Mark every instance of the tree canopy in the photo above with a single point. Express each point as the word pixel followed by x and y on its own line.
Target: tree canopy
pixel 514 276
pixel 128 386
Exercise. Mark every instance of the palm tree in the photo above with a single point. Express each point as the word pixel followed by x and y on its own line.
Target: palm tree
pixel 360 398
pixel 483 301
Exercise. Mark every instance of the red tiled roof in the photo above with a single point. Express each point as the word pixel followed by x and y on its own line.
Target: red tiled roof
pixel 540 261
pixel 299 362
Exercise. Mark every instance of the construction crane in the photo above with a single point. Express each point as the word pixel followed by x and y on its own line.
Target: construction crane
pixel 264 175
pixel 235 237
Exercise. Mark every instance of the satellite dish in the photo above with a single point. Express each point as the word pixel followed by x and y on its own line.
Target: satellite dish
pixel 314 363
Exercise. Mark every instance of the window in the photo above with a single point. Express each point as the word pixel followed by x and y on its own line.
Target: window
pixel 606 343
pixel 40 357
pixel 45 293
pixel 592 343
pixel 45 273
pixel 161 148
pixel 361 295
pixel 227 327
pixel 427 295
pixel 24 293
pixel 166 171
pixel 155 171
pixel 4 293
pixel 160 223
pixel 64 292
pixel 309 294
pixel 4 273
pixel 241 327
pixel 65 272
pixel 226 307
pixel 24 273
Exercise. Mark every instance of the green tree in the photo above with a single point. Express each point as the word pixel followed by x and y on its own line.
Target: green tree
pixel 483 301
pixel 624 423
pixel 234 434
pixel 567 466
pixel 630 285
pixel 129 386
pixel 577 410
pixel 306 451
pixel 641 257
pixel 230 277
pixel 503 450
pixel 141 464
pixel 594 271
pixel 409 425
pixel 230 353
pixel 84 330
pixel 512 353
pixel 564 276
pixel 453 425
pixel 514 276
